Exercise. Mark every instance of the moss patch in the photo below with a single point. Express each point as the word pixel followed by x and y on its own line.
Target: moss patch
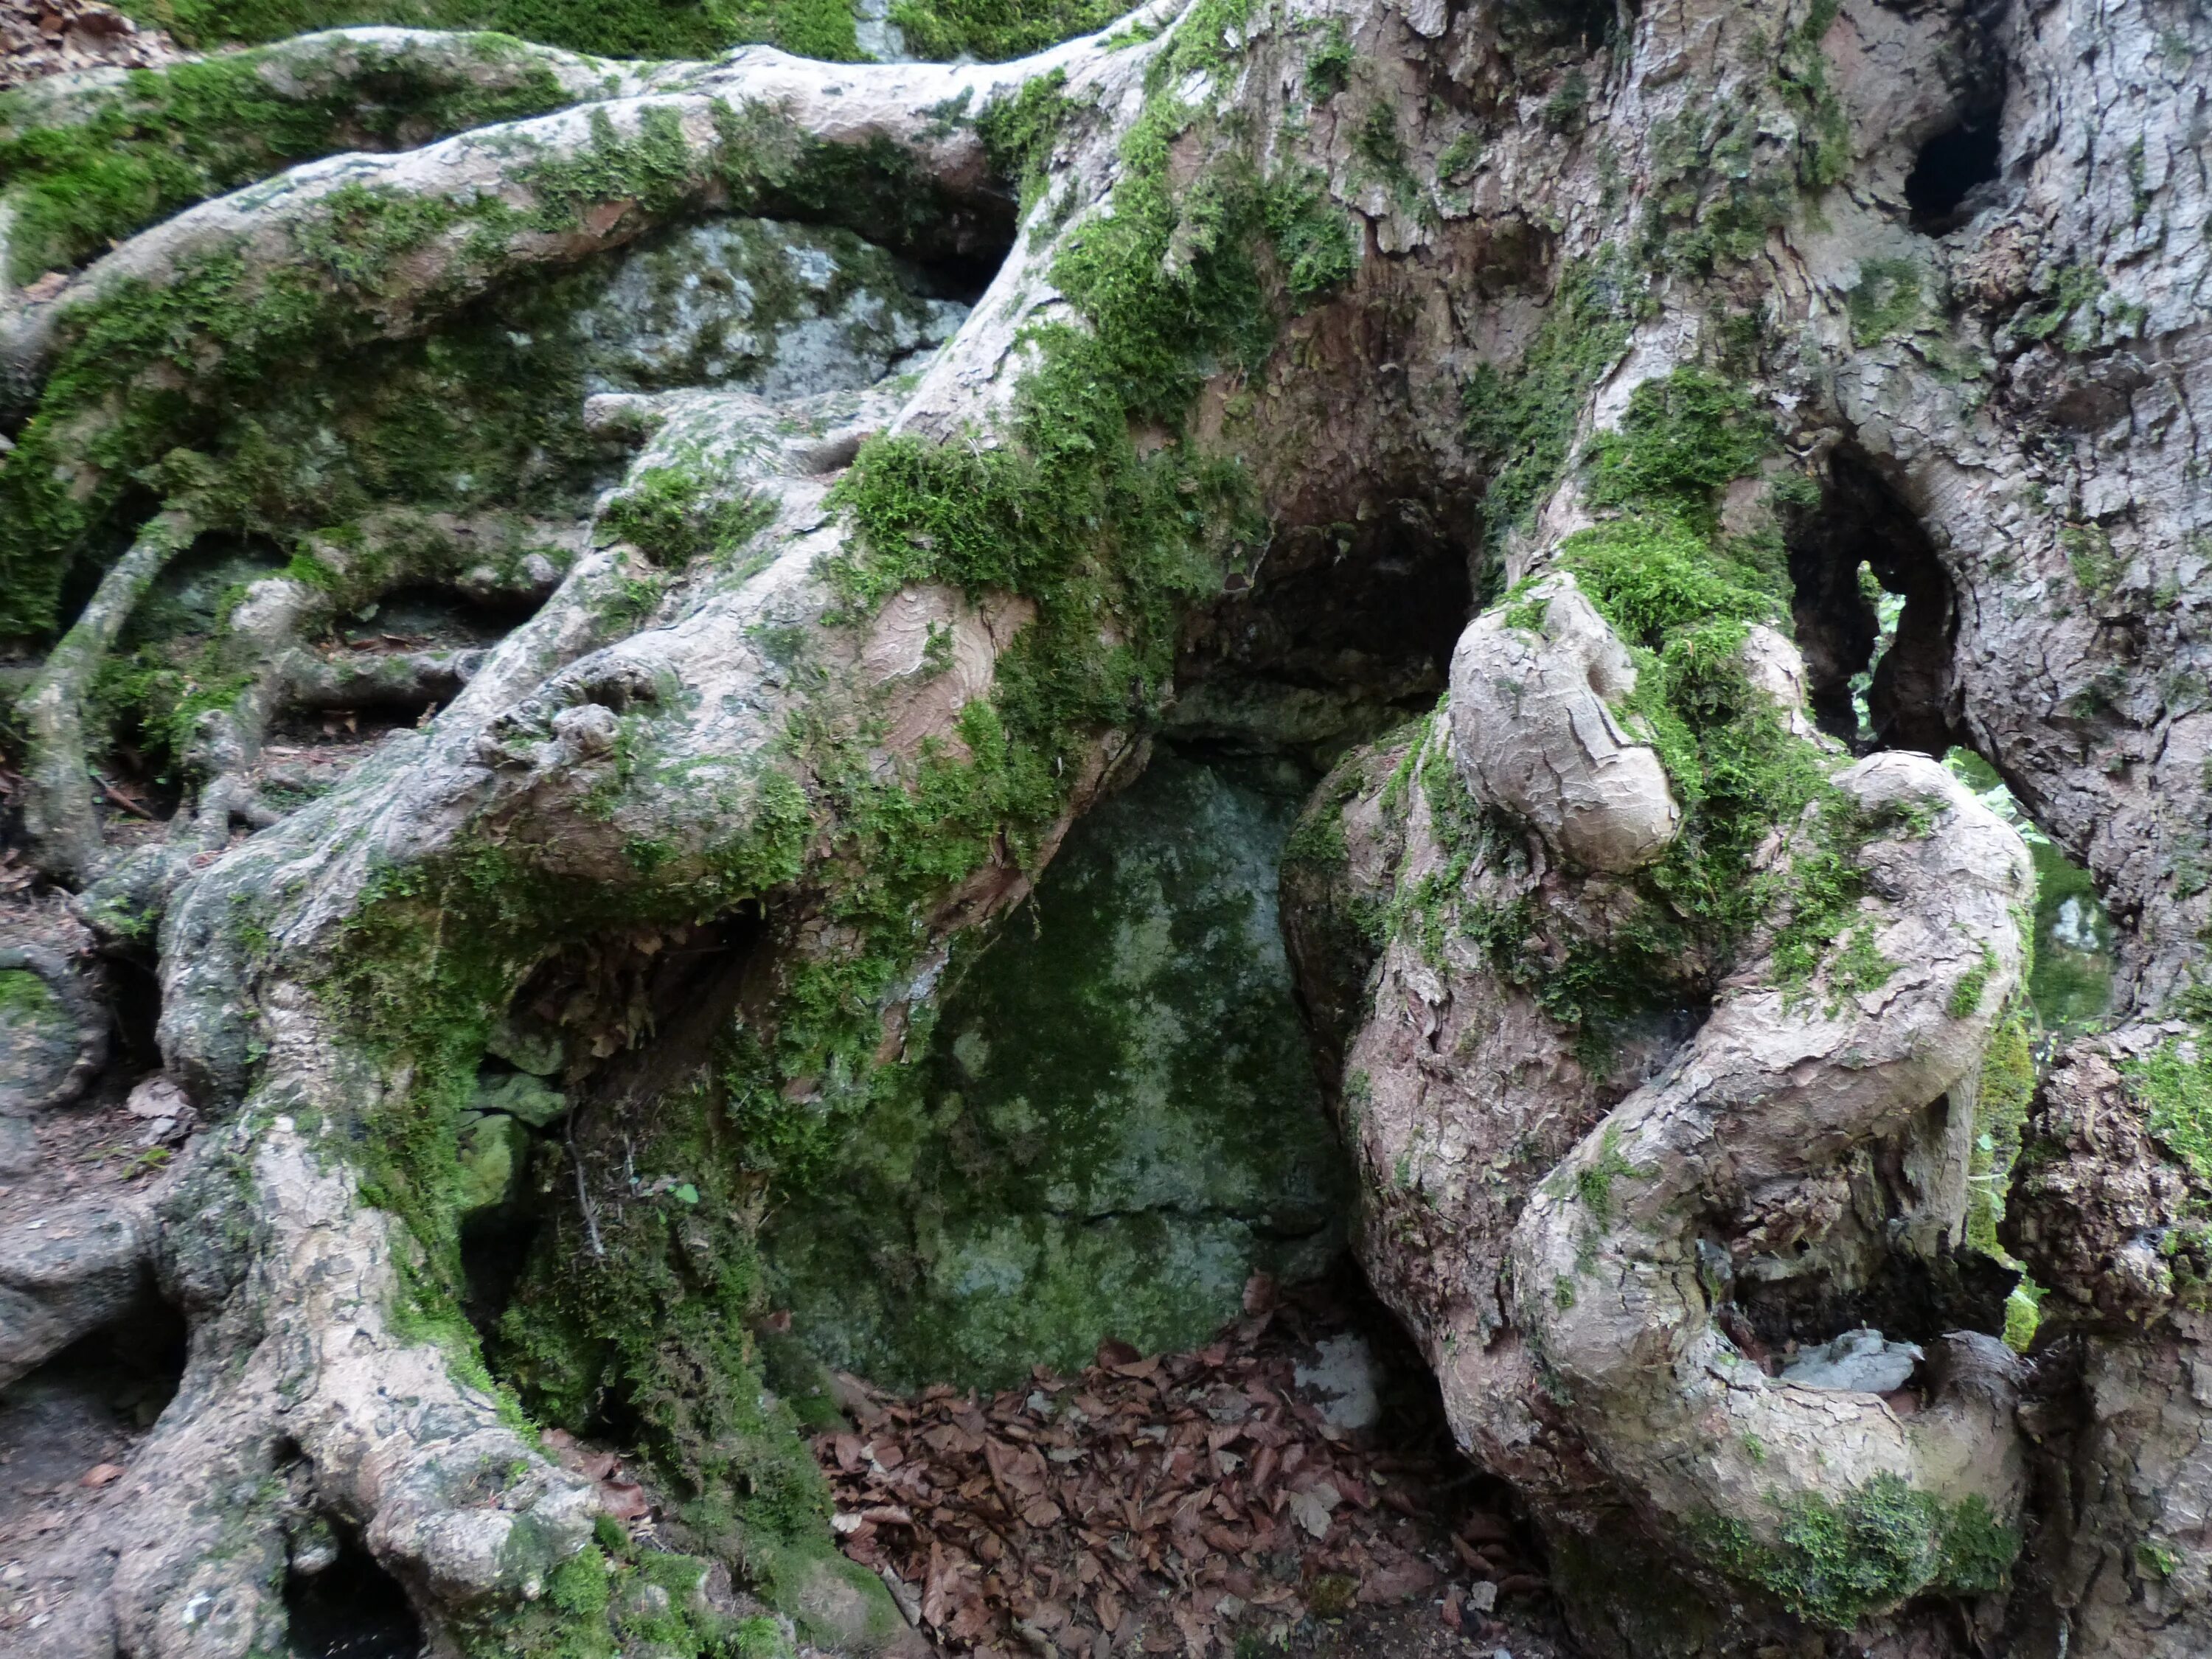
pixel 1832 1562
pixel 1116 1122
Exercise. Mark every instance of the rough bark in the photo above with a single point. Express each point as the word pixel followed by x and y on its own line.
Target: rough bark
pixel 1589 295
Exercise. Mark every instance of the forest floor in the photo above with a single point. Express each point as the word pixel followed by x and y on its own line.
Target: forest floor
pixel 1291 1488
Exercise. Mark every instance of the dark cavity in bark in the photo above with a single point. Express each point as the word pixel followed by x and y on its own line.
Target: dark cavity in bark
pixel 1949 169
pixel 1339 632
pixel 1861 524
pixel 348 1607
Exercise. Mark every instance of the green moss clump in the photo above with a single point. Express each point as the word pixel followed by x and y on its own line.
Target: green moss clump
pixel 1519 424
pixel 1683 438
pixel 1328 65
pixel 1887 300
pixel 624 28
pixel 2175 1083
pixel 162 139
pixel 1018 133
pixel 996 30
pixel 1833 1562
pixel 2003 1093
pixel 673 516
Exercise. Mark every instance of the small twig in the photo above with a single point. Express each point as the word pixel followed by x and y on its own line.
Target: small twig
pixel 584 1197
pixel 120 798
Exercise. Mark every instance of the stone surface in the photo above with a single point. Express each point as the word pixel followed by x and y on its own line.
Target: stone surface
pixel 1341 1381
pixel 1117 1122
pixel 781 310
pixel 1859 1359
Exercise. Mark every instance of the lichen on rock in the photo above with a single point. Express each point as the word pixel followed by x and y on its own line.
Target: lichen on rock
pixel 1114 1123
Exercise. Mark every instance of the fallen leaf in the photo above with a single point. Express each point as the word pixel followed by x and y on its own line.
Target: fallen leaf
pixel 101 1474
pixel 625 1500
pixel 1309 1512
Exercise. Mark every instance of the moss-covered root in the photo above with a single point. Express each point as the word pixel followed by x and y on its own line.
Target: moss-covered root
pixel 59 822
pixel 748 133
pixel 88 162
pixel 316 1392
pixel 1770 1479
pixel 118 369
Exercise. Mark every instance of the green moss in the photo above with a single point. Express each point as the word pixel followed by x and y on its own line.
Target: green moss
pixel 2023 1314
pixel 1594 1182
pixel 1519 424
pixel 1683 438
pixel 1312 237
pixel 162 139
pixel 1328 64
pixel 611 28
pixel 1886 301
pixel 1018 133
pixel 1562 109
pixel 673 515
pixel 26 999
pixel 2005 1089
pixel 1832 1563
pixel 995 30
pixel 2174 1081
pixel 1966 997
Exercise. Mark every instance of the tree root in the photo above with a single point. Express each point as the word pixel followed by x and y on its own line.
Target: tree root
pixel 316 1397
pixel 345 80
pixel 1778 1085
pixel 67 1274
pixel 58 820
pixel 79 1006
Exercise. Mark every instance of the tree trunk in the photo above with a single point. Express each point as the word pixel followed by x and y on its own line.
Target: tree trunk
pixel 1663 1001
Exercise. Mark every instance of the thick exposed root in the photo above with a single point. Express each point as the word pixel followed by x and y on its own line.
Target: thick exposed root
pixel 58 817
pixel 304 1402
pixel 373 88
pixel 66 1274
pixel 1779 1085
pixel 566 185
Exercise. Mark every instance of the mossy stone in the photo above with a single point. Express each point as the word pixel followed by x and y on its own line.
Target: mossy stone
pixel 1116 1124
pixel 38 1039
pixel 494 1149
pixel 520 1096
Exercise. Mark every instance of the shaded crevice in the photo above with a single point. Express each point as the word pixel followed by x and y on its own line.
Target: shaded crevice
pixel 87 1406
pixel 340 1604
pixel 1337 633
pixel 1943 190
pixel 1876 615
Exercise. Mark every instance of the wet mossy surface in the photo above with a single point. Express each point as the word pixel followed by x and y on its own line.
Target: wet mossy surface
pixel 159 140
pixel 1116 1123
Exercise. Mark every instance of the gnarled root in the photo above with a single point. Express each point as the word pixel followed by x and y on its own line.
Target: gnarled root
pixel 79 1006
pixel 59 819
pixel 1610 1281
pixel 304 1399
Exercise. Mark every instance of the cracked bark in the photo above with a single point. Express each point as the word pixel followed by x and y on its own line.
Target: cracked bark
pixel 2011 417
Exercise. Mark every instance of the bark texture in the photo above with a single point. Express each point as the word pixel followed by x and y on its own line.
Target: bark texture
pixel 1663 998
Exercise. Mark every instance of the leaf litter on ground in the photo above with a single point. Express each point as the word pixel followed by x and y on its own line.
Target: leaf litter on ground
pixel 1166 1504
